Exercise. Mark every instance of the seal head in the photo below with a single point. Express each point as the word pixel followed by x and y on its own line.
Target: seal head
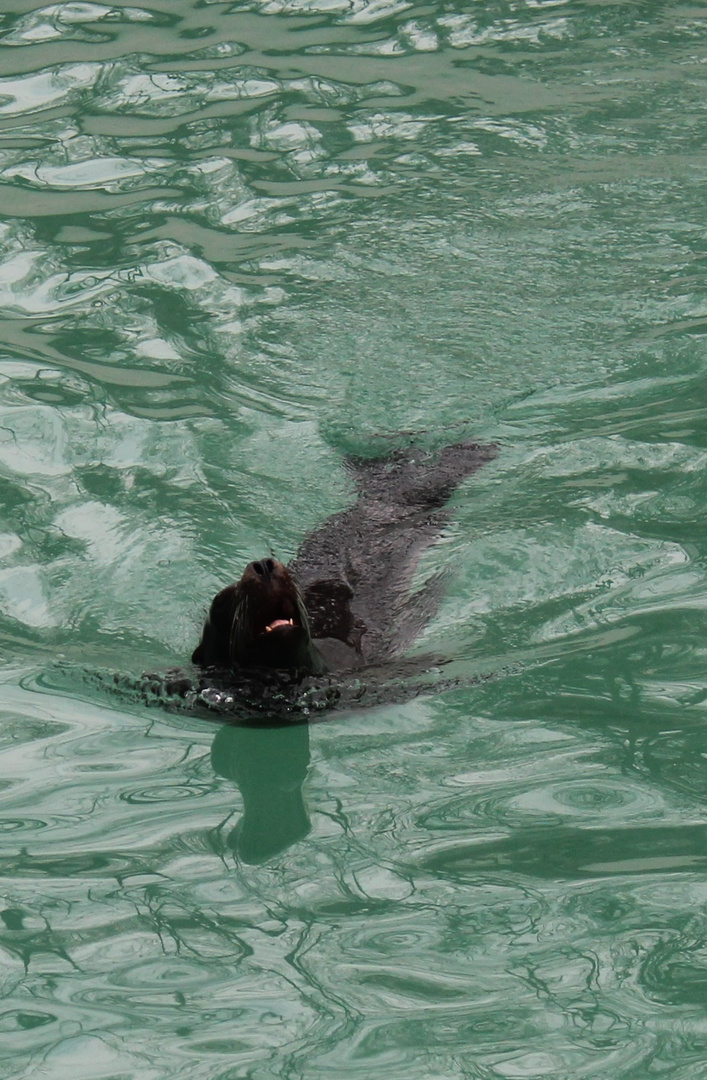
pixel 258 622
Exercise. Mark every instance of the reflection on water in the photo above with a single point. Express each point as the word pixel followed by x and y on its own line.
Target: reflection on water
pixel 269 766
pixel 238 242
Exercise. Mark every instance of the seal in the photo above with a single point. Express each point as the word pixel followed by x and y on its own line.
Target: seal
pixel 344 601
pixel 259 621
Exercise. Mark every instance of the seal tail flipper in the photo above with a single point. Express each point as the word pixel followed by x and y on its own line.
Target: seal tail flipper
pixel 413 477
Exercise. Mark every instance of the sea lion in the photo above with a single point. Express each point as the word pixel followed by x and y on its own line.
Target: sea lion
pixel 343 603
pixel 259 621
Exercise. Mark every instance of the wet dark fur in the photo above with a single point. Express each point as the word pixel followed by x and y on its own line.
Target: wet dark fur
pixel 355 570
pixel 347 590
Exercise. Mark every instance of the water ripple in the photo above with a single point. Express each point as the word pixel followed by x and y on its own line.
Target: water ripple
pixel 592 800
pixel 62 86
pixel 84 22
pixel 239 242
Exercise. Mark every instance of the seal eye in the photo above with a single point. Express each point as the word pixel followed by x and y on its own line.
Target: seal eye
pixel 258 567
pixel 269 565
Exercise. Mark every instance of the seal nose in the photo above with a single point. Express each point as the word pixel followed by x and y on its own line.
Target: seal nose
pixel 263 569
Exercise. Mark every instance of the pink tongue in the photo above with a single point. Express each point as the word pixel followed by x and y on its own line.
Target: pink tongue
pixel 279 622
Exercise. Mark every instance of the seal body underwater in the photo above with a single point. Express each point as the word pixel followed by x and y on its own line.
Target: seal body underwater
pixel 343 603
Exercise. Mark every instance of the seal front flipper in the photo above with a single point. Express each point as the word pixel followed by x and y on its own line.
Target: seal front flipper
pixel 332 624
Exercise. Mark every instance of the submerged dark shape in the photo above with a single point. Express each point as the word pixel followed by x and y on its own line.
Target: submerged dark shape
pixel 356 569
pixel 276 639
pixel 269 768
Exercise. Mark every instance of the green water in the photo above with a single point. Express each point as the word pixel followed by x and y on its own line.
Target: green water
pixel 238 241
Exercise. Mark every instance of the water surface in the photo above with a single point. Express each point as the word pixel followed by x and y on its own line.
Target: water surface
pixel 238 242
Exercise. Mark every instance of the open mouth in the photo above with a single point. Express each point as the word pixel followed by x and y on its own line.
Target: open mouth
pixel 277 623
pixel 280 617
pixel 270 606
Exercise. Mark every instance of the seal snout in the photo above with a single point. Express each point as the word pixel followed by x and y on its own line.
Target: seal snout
pixel 277 603
pixel 265 568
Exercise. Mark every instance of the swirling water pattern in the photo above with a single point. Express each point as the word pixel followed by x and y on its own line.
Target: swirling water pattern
pixel 238 241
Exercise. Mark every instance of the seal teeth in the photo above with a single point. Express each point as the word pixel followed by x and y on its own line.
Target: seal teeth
pixel 279 622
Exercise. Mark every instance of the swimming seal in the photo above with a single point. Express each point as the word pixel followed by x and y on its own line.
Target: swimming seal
pixel 259 621
pixel 343 603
